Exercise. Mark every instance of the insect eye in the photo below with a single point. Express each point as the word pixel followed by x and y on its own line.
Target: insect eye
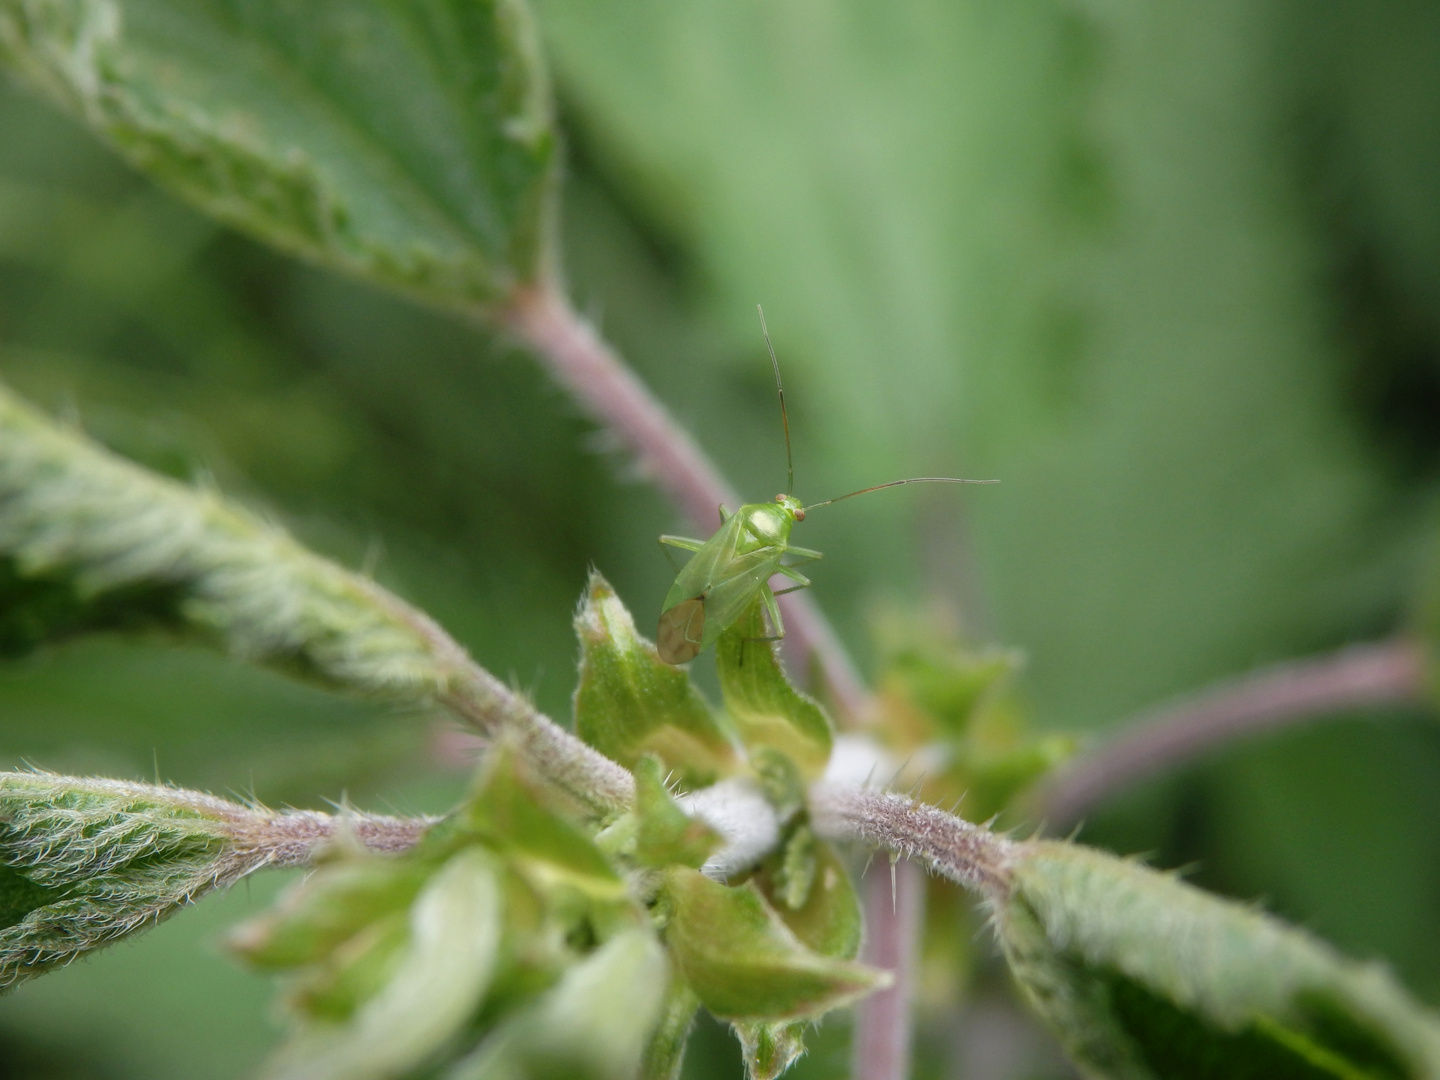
pixel 799 515
pixel 780 498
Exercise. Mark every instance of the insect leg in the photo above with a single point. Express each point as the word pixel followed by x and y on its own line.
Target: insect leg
pixel 804 554
pixel 801 581
pixel 683 542
pixel 772 609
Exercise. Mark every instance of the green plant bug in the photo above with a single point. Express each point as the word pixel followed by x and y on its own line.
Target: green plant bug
pixel 725 573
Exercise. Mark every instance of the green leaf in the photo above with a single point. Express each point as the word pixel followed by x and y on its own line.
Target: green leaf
pixel 945 680
pixel 991 777
pixel 88 540
pixel 410 144
pixel 436 984
pixel 515 819
pixel 328 908
pixel 769 713
pixel 824 916
pixel 665 835
pixel 770 1049
pixel 84 862
pixel 794 876
pixel 1143 976
pixel 742 960
pixel 827 918
pixel 595 1024
pixel 630 703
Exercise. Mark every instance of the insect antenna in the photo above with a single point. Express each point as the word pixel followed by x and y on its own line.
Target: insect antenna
pixel 784 416
pixel 897 483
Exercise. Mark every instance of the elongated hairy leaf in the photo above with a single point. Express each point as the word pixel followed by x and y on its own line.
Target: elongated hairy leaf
pixel 1144 977
pixel 84 862
pixel 90 541
pixel 406 142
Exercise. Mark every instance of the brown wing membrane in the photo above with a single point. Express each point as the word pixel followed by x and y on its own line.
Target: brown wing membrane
pixel 682 628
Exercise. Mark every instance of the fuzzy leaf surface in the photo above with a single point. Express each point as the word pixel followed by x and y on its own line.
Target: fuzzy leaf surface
pixel 84 862
pixel 90 541
pixel 407 143
pixel 1143 977
pixel 629 702
pixel 769 713
pixel 744 963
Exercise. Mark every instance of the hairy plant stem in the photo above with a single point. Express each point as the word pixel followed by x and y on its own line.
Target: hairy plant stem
pixel 258 836
pixel 968 854
pixel 1384 673
pixel 543 318
pixel 579 770
pixel 294 837
pixel 496 711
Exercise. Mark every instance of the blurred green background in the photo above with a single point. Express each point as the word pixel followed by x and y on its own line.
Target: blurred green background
pixel 1172 272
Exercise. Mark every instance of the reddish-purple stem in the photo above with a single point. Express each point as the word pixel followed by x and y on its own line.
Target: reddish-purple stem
pixel 894 895
pixel 1384 673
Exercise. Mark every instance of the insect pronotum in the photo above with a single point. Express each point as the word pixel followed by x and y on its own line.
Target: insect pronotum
pixel 725 574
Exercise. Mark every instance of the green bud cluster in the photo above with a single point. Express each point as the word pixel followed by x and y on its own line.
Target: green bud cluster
pixel 772 946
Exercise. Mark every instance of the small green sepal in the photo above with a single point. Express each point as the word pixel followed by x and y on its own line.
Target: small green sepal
pixel 630 703
pixel 767 712
pixel 433 976
pixel 949 682
pixel 827 918
pixel 744 963
pixel 510 814
pixel 664 834
pixel 770 1049
pixel 665 1055
pixel 328 909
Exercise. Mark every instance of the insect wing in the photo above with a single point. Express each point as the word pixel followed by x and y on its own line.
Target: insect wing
pixel 730 597
pixel 706 566
pixel 682 632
